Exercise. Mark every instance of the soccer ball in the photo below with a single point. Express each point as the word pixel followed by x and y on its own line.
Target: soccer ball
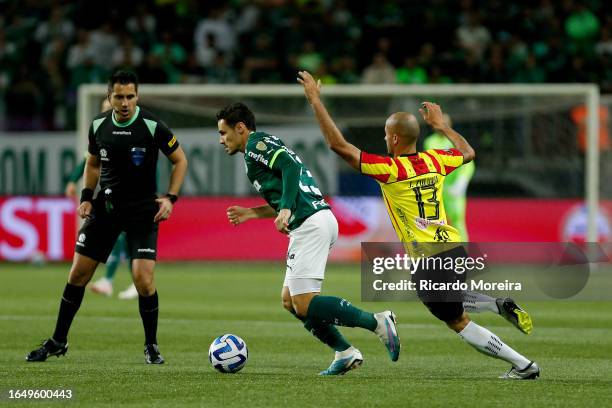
pixel 228 353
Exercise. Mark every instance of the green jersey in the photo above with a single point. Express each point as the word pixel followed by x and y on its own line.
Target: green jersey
pixel 281 178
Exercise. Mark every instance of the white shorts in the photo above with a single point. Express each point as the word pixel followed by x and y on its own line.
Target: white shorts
pixel 299 286
pixel 309 247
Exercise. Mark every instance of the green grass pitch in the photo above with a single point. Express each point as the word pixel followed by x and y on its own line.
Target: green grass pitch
pixel 572 342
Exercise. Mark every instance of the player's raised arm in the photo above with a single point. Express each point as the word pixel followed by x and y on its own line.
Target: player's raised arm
pixel 432 114
pixel 334 138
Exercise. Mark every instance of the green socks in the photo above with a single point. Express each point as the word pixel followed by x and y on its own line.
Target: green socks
pixel 336 311
pixel 111 267
pixel 327 334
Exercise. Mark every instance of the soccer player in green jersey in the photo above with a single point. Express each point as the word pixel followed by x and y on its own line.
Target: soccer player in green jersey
pixel 455 184
pixel 299 210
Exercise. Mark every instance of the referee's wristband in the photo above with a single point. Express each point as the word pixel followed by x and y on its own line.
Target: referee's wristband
pixel 172 197
pixel 87 195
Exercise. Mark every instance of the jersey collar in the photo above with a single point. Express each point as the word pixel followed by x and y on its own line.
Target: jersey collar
pixel 128 123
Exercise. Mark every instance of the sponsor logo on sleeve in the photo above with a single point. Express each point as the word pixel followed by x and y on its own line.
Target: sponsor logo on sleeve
pixel 272 140
pixel 172 141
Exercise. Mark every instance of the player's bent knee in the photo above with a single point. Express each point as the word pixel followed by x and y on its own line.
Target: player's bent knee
pixel 300 311
pixel 459 323
pixel 144 289
pixel 301 307
pixel 288 305
pixel 144 285
pixel 301 302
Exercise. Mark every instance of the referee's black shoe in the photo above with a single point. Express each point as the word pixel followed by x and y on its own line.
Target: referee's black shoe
pixel 152 355
pixel 48 348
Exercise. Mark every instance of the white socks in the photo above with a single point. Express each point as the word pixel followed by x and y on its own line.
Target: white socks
pixel 474 302
pixel 347 353
pixel 488 343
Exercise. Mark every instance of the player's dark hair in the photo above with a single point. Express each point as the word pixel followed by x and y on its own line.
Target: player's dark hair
pixel 123 78
pixel 237 112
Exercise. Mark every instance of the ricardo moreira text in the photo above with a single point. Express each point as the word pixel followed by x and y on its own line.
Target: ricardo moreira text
pixel 411 264
pixel 459 265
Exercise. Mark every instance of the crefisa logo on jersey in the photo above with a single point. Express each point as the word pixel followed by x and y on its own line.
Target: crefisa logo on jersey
pixel 257 157
pixel 137 154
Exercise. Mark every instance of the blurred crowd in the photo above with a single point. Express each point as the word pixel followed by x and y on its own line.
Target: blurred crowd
pixel 49 48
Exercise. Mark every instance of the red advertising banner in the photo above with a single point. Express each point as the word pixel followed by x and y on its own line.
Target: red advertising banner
pixel 34 228
pixel 37 227
pixel 533 220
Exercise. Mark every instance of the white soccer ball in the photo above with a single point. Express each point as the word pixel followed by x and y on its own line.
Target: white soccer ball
pixel 228 353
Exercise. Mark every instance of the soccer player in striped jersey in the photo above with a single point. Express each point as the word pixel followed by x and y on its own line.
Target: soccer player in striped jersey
pixel 300 211
pixel 411 184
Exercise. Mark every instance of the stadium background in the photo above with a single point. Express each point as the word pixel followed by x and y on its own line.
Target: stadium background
pixel 530 180
pixel 528 186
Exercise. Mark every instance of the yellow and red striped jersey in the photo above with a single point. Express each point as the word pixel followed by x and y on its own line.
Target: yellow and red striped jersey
pixel 411 187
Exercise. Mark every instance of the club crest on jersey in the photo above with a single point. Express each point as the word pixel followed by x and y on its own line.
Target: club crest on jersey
pixel 441 235
pixel 104 155
pixel 261 146
pixel 137 154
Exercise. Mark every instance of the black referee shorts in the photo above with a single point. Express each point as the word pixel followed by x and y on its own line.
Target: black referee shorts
pixel 446 305
pixel 99 233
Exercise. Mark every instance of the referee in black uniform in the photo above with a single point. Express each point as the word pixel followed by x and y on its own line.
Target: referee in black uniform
pixel 123 151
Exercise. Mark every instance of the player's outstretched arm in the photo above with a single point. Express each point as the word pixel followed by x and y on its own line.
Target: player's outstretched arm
pixel 237 215
pixel 432 114
pixel 334 138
